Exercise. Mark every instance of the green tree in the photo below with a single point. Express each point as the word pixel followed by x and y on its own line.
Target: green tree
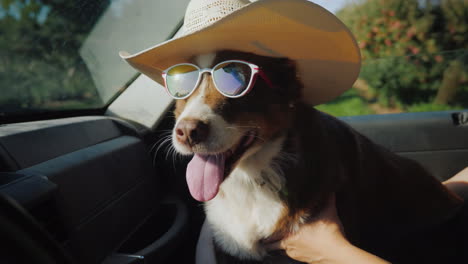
pixel 408 47
pixel 40 67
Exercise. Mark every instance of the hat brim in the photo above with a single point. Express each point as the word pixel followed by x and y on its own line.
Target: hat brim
pixel 325 51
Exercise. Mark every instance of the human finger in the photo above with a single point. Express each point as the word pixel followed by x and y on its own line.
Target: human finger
pixel 278 245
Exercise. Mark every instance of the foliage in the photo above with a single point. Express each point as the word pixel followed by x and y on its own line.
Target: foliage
pixel 430 107
pixel 40 67
pixel 408 45
pixel 348 104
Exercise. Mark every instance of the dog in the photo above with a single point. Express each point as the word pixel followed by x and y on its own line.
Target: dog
pixel 282 159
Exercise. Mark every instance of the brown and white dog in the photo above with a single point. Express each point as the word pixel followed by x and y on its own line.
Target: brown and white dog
pixel 283 161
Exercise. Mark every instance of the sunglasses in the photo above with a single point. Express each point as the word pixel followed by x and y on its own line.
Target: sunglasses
pixel 232 78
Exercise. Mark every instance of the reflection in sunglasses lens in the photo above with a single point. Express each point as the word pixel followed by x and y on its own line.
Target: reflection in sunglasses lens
pixel 232 78
pixel 181 80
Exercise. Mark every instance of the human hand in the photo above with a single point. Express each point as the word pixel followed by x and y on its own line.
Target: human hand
pixel 316 241
pixel 322 241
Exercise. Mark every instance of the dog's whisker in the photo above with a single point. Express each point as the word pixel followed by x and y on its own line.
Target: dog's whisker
pixel 154 161
pixel 162 131
pixel 165 132
pixel 173 154
pixel 159 140
pixel 168 150
pixel 160 143
pixel 164 141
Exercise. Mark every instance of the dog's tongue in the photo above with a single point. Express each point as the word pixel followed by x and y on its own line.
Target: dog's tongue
pixel 204 175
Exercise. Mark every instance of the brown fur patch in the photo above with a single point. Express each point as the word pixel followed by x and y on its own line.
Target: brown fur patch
pixel 265 109
pixel 179 107
pixel 213 98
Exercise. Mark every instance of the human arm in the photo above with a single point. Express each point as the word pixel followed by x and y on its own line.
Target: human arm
pixel 459 183
pixel 323 241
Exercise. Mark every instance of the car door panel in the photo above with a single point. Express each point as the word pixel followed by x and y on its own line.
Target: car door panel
pixel 433 139
pixel 30 143
pixel 96 179
pixel 91 181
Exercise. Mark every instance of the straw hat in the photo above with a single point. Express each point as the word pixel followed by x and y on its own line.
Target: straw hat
pixel 325 51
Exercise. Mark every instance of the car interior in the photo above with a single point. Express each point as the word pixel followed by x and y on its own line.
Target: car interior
pixel 104 186
pixel 94 191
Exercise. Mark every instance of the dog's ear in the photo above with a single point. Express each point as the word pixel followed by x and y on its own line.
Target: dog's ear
pixel 283 73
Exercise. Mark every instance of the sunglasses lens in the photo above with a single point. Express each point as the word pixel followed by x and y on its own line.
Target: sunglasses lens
pixel 232 78
pixel 181 80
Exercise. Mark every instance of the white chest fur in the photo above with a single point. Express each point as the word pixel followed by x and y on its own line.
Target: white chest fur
pixel 248 206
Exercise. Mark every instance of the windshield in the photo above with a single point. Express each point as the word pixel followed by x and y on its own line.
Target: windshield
pixel 63 55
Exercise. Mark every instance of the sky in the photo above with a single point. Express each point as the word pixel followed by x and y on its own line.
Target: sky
pixel 335 5
pixel 332 5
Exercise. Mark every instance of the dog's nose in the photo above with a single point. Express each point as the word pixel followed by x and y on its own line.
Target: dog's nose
pixel 191 132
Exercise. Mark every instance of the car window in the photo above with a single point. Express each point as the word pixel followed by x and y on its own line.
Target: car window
pixel 63 55
pixel 415 56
